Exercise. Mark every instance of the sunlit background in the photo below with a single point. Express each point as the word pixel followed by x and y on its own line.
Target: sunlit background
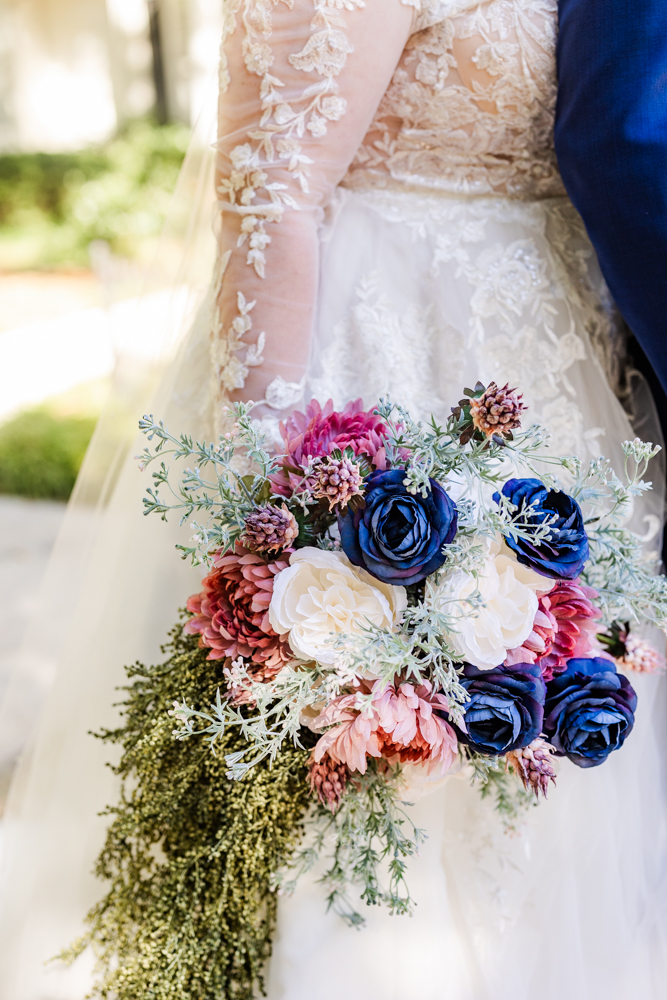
pixel 97 98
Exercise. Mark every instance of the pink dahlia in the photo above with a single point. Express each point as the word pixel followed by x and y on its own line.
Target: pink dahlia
pixel 399 724
pixel 231 614
pixel 541 639
pixel 565 627
pixel 321 430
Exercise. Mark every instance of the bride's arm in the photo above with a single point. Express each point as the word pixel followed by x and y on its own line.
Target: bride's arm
pixel 300 82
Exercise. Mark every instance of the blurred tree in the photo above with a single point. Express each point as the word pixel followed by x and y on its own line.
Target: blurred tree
pixel 53 205
pixel 72 71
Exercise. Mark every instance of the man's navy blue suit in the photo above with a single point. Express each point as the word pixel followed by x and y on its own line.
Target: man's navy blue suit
pixel 611 143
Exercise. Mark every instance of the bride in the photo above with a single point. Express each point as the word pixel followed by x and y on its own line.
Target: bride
pixel 392 222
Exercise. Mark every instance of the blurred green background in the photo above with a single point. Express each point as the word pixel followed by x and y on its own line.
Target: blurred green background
pixel 52 207
pixel 41 452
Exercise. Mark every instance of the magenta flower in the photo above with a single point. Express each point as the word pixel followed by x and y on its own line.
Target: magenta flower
pixel 399 724
pixel 321 430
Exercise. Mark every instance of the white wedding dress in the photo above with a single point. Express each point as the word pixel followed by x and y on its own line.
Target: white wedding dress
pixel 393 221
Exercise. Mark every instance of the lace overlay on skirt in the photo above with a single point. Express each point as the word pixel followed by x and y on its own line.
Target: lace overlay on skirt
pixel 422 294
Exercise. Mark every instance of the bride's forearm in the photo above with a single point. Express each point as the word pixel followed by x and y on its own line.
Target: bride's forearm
pixel 272 316
pixel 301 84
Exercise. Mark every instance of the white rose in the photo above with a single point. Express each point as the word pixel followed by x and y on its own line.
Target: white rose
pixel 524 574
pixel 322 595
pixel 484 634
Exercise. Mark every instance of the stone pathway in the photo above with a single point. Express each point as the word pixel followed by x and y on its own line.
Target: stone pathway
pixel 36 296
pixel 28 530
pixel 54 335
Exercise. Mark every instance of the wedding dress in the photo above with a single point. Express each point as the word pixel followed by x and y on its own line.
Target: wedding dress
pixel 393 222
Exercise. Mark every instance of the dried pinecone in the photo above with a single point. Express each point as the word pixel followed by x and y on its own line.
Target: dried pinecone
pixel 269 529
pixel 631 651
pixel 335 480
pixel 641 656
pixel 489 413
pixel 328 781
pixel 533 766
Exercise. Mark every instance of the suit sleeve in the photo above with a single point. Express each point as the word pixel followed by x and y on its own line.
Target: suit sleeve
pixel 611 143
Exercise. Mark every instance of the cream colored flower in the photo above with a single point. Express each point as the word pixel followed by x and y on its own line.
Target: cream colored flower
pixel 322 595
pixel 484 633
pixel 504 557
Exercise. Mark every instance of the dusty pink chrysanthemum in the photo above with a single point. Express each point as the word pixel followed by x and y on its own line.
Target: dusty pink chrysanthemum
pixel 533 766
pixel 335 480
pixel 641 657
pixel 399 723
pixel 328 781
pixel 231 613
pixel 321 430
pixel 269 529
pixel 565 627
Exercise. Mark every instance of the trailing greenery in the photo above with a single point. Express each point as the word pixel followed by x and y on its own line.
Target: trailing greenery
pixel 368 838
pixel 52 205
pixel 495 781
pixel 41 453
pixel 190 911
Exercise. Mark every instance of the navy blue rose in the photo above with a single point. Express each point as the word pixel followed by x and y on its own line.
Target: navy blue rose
pixel 564 555
pixel 396 536
pixel 506 707
pixel 589 711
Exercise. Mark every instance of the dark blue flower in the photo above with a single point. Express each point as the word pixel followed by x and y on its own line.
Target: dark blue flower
pixel 565 553
pixel 589 711
pixel 396 536
pixel 506 707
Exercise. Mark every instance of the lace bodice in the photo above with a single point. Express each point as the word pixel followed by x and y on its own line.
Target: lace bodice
pixel 470 108
pixel 448 95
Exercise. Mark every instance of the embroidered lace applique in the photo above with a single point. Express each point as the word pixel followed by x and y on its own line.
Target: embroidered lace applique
pixel 383 349
pixel 246 189
pixel 519 313
pixel 427 12
pixel 470 109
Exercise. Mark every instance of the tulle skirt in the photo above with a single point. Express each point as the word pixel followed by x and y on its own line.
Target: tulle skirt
pixel 420 295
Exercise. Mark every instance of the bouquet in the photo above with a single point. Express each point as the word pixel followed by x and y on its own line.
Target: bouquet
pixel 386 602
pixel 405 599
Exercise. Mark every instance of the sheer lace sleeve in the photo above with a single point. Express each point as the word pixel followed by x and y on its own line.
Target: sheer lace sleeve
pixel 300 83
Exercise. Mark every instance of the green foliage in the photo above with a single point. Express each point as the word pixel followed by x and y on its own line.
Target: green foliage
pixel 369 835
pixel 40 453
pixel 510 798
pixel 189 854
pixel 52 205
pixel 39 182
